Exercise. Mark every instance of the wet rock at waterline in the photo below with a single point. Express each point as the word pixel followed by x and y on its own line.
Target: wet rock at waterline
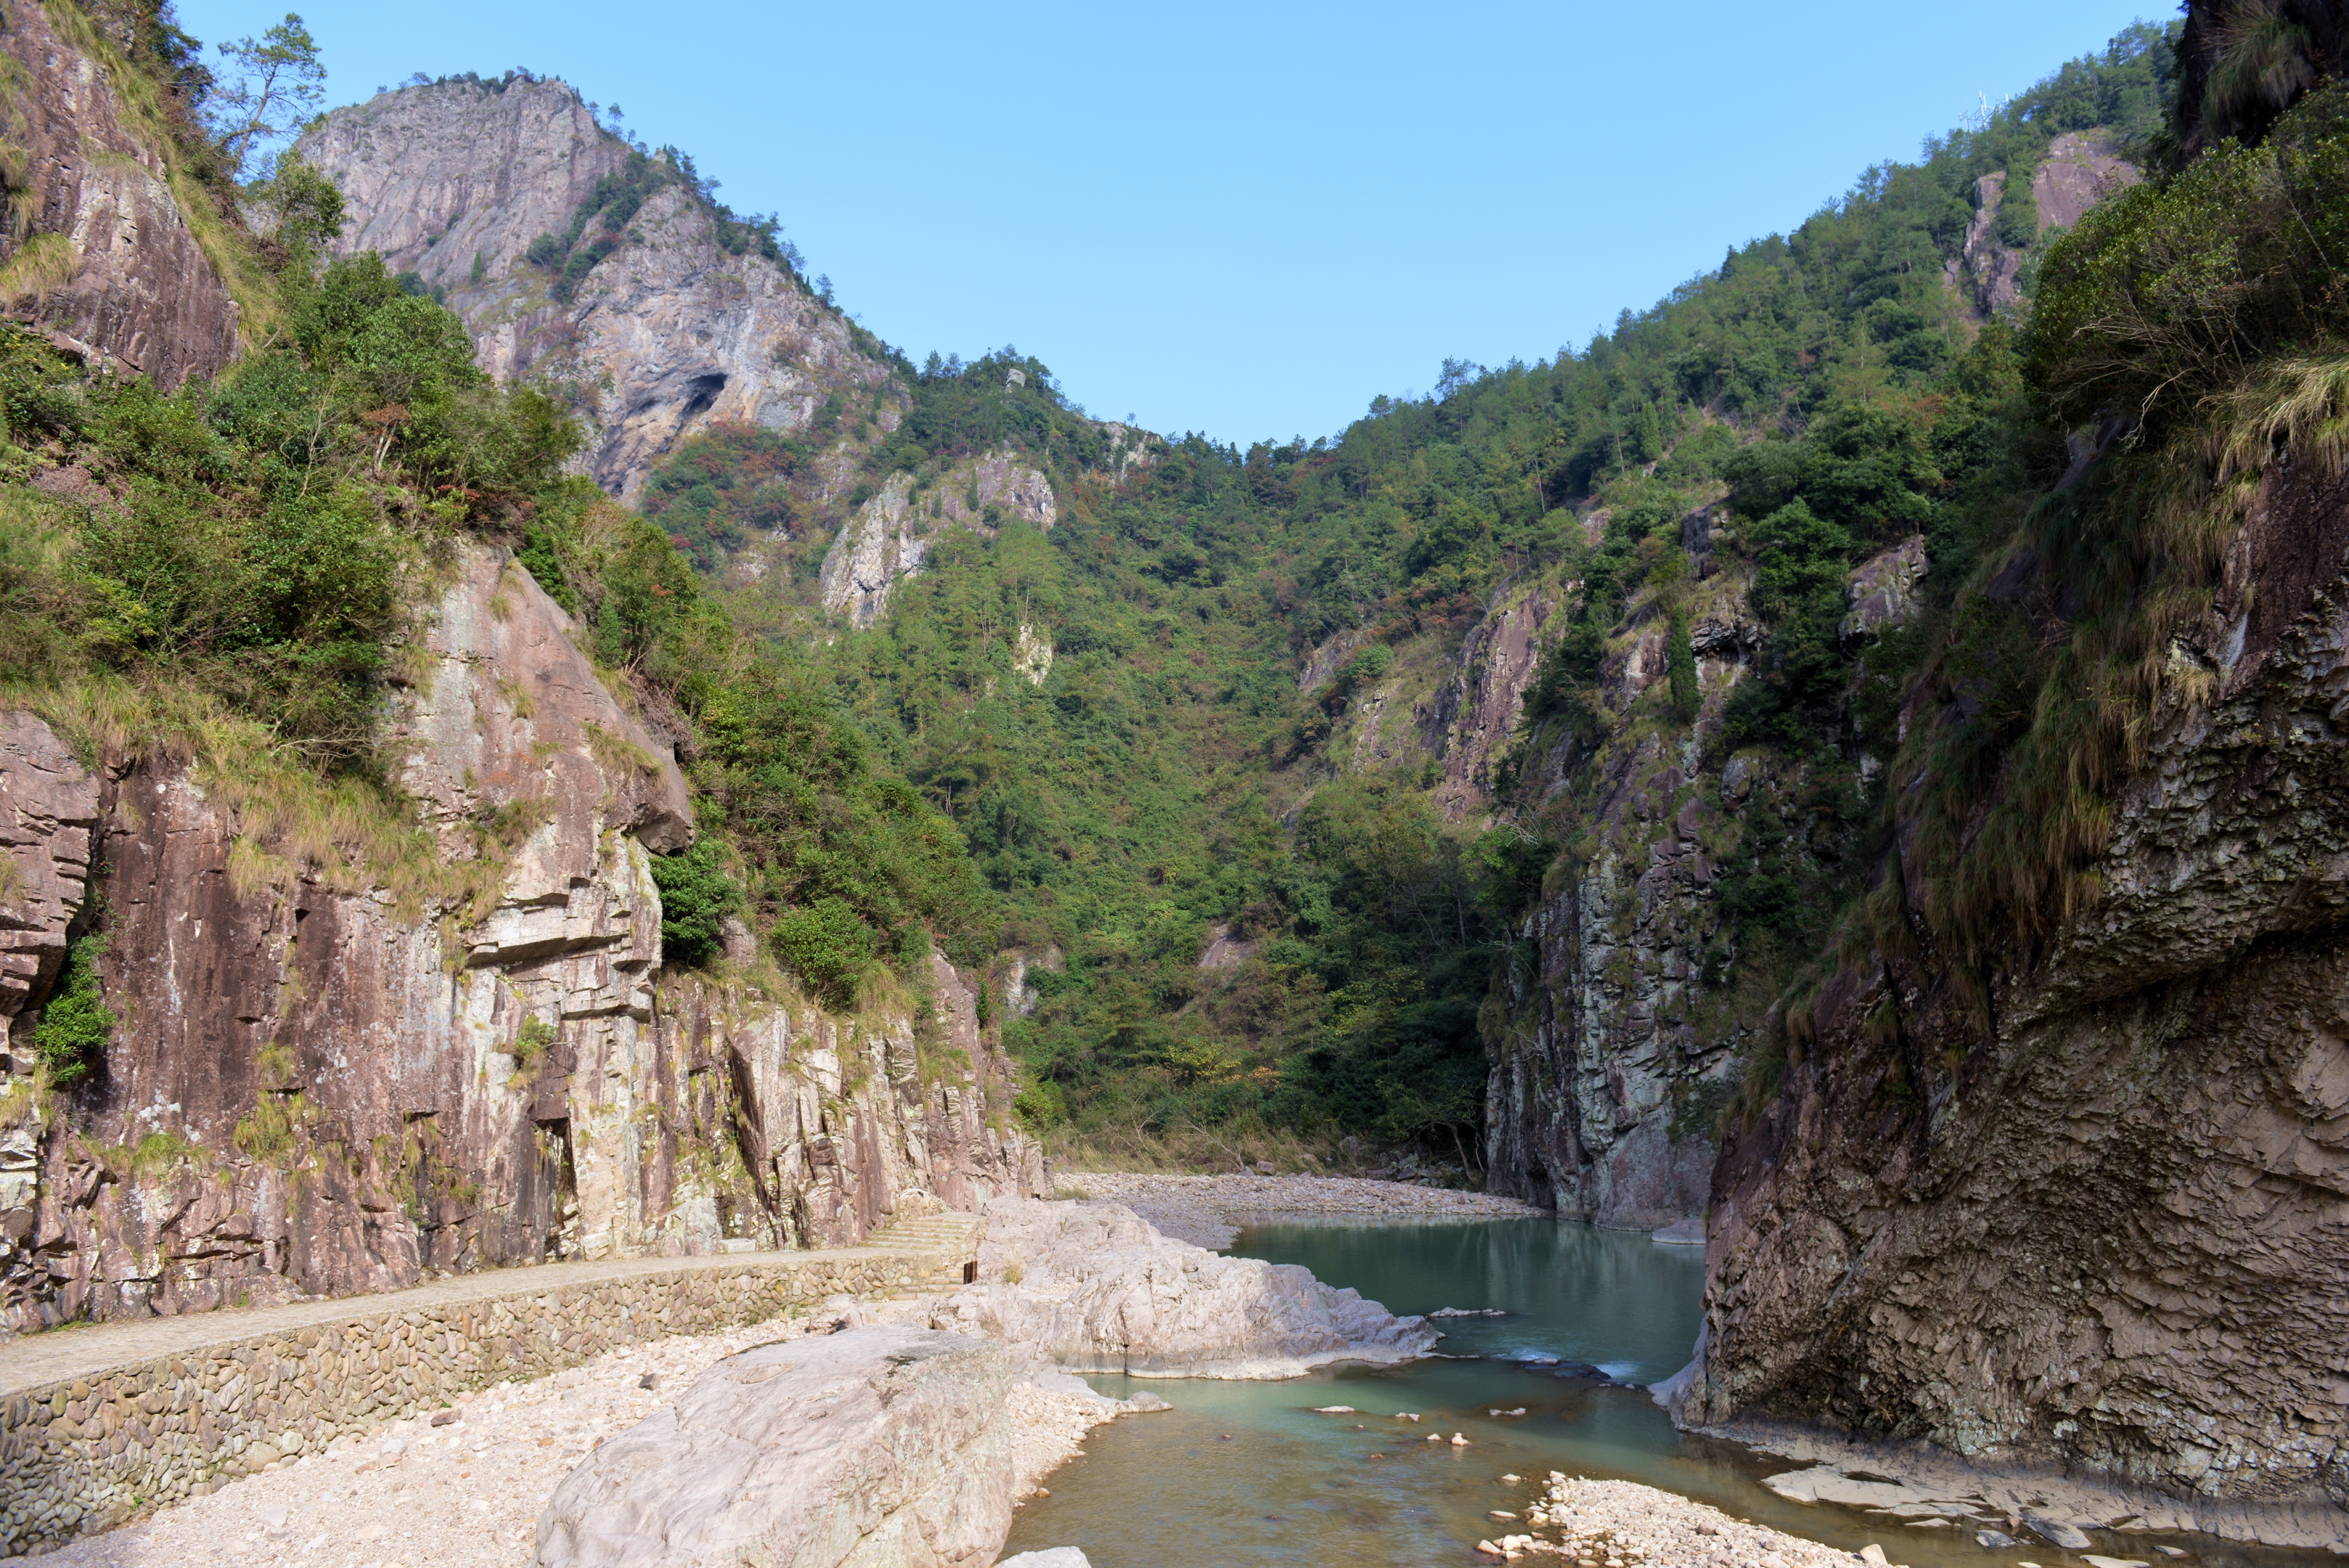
pixel 1054 1557
pixel 1092 1288
pixel 872 1448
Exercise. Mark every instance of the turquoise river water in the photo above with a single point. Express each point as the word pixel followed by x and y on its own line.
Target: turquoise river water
pixel 1245 1475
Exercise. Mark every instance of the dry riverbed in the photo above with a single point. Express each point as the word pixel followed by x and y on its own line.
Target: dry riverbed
pixel 468 1494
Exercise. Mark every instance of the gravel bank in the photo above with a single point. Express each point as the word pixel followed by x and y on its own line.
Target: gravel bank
pixel 1209 1211
pixel 469 1494
pixel 1622 1524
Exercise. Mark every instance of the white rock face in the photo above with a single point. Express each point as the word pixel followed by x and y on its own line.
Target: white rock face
pixel 873 1447
pixel 666 336
pixel 1092 1288
pixel 889 536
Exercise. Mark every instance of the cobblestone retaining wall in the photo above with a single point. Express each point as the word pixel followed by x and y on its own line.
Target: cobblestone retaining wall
pixel 81 1455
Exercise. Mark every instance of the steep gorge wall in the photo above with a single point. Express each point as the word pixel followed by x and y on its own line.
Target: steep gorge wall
pixel 1608 1063
pixel 328 1079
pixel 668 335
pixel 2103 1221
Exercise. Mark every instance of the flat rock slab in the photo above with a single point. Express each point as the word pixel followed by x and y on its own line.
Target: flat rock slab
pixel 1052 1557
pixel 875 1448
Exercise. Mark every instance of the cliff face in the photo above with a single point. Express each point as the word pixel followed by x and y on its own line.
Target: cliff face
pixel 2104 1223
pixel 665 335
pixel 99 253
pixel 1605 1062
pixel 331 1076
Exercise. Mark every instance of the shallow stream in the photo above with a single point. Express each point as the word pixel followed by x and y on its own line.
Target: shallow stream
pixel 1246 1475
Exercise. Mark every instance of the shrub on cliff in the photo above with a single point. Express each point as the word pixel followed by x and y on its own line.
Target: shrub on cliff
pixel 696 897
pixel 75 1023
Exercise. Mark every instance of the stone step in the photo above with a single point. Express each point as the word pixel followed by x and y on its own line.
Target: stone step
pixel 954 1237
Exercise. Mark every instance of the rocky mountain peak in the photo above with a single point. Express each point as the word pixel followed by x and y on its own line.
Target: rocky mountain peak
pixel 437 176
pixel 647 320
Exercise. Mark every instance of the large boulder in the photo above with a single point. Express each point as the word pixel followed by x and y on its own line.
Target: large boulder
pixel 1091 1287
pixel 873 1447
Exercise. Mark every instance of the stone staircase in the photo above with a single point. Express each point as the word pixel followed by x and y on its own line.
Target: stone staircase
pixel 953 1238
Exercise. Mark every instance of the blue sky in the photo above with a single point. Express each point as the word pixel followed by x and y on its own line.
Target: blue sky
pixel 1248 219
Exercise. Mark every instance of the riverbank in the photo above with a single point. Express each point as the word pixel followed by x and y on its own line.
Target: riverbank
pixel 1210 1210
pixel 468 1493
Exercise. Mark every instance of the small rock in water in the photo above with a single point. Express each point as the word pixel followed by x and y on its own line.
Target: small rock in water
pixel 2056 1532
pixel 1500 1513
pixel 1518 1411
pixel 2171 1551
pixel 1406 1415
pixel 1992 1540
pixel 1458 1441
pixel 1509 1481
pixel 1435 1437
pixel 1333 1409
pixel 2092 1561
pixel 1873 1555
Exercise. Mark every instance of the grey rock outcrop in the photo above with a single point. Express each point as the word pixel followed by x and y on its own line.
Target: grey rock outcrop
pixel 1984 272
pixel 1090 1287
pixel 1882 590
pixel 2101 1219
pixel 104 258
pixel 872 1448
pixel 666 336
pixel 340 1070
pixel 887 538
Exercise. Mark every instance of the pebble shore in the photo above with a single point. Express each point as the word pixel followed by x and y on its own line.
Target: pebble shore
pixel 1622 1524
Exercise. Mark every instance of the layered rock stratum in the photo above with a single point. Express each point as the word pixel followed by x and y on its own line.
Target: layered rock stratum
pixel 332 1075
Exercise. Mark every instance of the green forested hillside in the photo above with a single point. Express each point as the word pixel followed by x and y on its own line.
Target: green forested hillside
pixel 1169 782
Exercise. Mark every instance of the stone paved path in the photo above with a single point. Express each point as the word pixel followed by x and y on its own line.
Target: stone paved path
pixel 86 1350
